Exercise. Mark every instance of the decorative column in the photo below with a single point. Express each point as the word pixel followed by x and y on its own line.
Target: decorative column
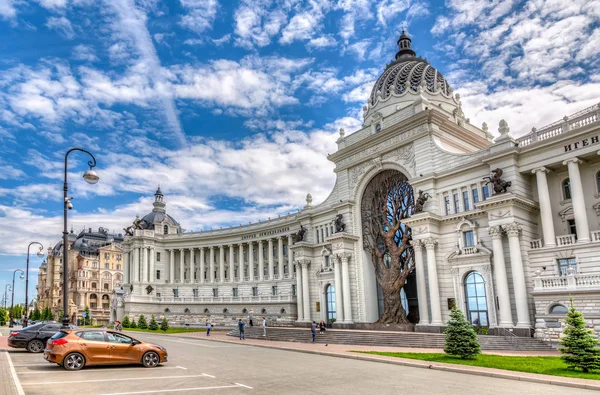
pixel 501 278
pixel 144 251
pixel 579 207
pixel 280 256
pixel 241 261
pixel 221 264
pixel 261 262
pixel 202 267
pixel 126 268
pixel 136 265
pixel 434 290
pixel 290 256
pixel 518 275
pixel 305 289
pixel 181 265
pixel 346 287
pixel 421 285
pixel 151 275
pixel 172 267
pixel 299 293
pixel 211 264
pixel 545 206
pixel 251 261
pixel 192 266
pixel 231 263
pixel 339 300
pixel 270 257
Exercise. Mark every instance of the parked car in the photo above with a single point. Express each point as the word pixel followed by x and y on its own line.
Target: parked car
pixel 74 349
pixel 34 337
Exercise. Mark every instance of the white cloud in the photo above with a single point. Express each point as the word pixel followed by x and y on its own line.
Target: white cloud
pixel 354 10
pixel 7 9
pixel 53 4
pixel 200 14
pixel 221 41
pixel 9 172
pixel 388 9
pixel 322 42
pixel 84 53
pixel 62 25
pixel 256 22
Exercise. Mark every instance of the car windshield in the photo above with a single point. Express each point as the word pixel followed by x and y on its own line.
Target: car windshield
pixel 59 335
pixel 33 327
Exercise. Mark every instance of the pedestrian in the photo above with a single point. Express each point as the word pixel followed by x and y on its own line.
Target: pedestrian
pixel 264 325
pixel 322 327
pixel 313 330
pixel 208 327
pixel 241 328
pixel 250 322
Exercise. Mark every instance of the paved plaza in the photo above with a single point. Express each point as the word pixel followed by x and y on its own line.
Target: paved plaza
pixel 198 365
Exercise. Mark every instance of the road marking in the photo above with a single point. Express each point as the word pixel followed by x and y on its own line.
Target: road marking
pixel 176 390
pixel 13 373
pixel 107 379
pixel 96 370
pixel 21 365
pixel 243 385
pixel 208 375
pixel 197 344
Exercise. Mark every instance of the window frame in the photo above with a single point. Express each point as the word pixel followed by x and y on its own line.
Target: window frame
pixel 565 188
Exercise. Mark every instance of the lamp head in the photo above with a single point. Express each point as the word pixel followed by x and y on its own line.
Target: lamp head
pixel 90 176
pixel 21 277
pixel 69 204
pixel 40 253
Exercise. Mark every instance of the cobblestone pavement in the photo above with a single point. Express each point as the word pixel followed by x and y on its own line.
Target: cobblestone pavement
pixel 7 382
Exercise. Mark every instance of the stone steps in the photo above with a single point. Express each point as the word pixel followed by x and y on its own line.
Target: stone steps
pixel 392 339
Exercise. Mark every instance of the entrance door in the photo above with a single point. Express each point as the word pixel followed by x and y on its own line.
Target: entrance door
pixel 331 308
pixel 477 310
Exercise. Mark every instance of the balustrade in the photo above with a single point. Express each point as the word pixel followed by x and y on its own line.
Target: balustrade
pixel 567 283
pixel 565 240
pixel 535 244
pixel 595 235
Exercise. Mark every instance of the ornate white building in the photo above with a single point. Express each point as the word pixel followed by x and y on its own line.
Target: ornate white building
pixel 510 260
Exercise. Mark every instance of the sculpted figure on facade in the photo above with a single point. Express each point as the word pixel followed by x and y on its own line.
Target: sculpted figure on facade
pixel 340 226
pixel 499 185
pixel 420 201
pixel 299 236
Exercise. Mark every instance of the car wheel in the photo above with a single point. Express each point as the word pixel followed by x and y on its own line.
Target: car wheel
pixel 150 359
pixel 35 346
pixel 74 361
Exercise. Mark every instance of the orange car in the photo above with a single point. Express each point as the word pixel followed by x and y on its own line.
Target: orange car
pixel 75 348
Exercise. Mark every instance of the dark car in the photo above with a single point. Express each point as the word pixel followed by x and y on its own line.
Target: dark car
pixel 34 337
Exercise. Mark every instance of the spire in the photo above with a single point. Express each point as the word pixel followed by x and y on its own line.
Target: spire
pixel 159 203
pixel 158 191
pixel 404 49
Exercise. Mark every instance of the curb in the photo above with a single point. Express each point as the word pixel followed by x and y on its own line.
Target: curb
pixel 551 380
pixel 13 372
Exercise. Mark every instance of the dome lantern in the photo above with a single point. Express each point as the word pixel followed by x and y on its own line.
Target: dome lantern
pixel 404 49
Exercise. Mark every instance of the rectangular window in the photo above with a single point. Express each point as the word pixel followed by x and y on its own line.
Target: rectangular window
pixel 293 289
pixel 567 264
pixel 486 192
pixel 216 292
pixel 327 262
pixel 175 292
pixel 254 291
pixel 456 204
pixel 195 292
pixel 572 227
pixel 158 294
pixel 285 250
pixel 235 292
pixel 326 231
pixel 322 238
pixel 317 236
pixel 469 238
pixel 158 274
pixel 274 289
pixel 447 204
pixel 475 195
pixel 466 200
pixel 158 257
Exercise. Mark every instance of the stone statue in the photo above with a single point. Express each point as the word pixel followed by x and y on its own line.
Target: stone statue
pixel 339 225
pixel 137 224
pixel 500 186
pixel 420 202
pixel 149 289
pixel 299 236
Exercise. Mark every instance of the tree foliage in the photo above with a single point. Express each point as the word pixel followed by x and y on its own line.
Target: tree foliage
pixel 387 201
pixel 133 324
pixel 142 324
pixel 164 325
pixel 461 339
pixel 126 323
pixel 153 324
pixel 3 316
pixel 35 314
pixel 579 346
pixel 87 320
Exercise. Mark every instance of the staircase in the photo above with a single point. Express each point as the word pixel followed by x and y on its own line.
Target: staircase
pixel 391 339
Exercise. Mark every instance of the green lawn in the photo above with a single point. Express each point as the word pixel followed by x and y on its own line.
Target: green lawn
pixel 553 366
pixel 170 330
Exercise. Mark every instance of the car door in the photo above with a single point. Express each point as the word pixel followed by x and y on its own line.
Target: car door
pixel 122 349
pixel 47 331
pixel 94 347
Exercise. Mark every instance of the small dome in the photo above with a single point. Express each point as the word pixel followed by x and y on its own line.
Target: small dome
pixel 157 217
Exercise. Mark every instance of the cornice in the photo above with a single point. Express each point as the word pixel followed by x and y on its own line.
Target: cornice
pixel 508 199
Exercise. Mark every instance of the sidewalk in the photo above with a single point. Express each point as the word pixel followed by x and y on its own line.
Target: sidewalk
pixel 7 371
pixel 343 351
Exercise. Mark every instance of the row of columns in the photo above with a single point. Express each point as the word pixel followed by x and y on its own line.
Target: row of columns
pixel 140 263
pixel 577 198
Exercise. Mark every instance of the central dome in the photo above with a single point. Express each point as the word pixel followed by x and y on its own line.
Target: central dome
pixel 408 72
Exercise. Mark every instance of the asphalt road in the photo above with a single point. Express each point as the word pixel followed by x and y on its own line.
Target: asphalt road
pixel 200 366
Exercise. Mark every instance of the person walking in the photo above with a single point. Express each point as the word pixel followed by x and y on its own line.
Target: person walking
pixel 250 322
pixel 241 328
pixel 208 327
pixel 264 325
pixel 322 327
pixel 313 330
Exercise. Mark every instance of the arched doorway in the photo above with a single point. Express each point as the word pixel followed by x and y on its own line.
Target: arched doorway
pixel 386 202
pixel 476 300
pixel 331 305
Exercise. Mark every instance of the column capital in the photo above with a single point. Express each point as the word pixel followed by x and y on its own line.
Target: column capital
pixel 495 231
pixel 302 262
pixel 430 243
pixel 417 244
pixel 541 170
pixel 575 160
pixel 344 256
pixel 211 247
pixel 181 249
pixel 512 229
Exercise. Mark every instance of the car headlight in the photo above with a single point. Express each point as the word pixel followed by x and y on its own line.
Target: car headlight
pixel 161 348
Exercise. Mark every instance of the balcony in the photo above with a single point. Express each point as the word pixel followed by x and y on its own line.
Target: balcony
pixel 535 244
pixel 570 282
pixel 595 236
pixel 470 250
pixel 565 240
pixel 212 299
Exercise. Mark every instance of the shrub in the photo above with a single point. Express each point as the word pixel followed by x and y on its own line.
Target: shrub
pixel 142 324
pixel 133 324
pixel 164 325
pixel 579 347
pixel 153 324
pixel 3 316
pixel 461 339
pixel 126 323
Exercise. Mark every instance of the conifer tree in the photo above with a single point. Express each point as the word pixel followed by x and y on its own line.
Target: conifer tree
pixel 133 324
pixel 579 346
pixel 3 316
pixel 126 323
pixel 461 339
pixel 142 324
pixel 87 320
pixel 164 325
pixel 153 324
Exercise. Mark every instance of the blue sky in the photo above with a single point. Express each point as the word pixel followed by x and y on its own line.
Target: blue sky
pixel 233 106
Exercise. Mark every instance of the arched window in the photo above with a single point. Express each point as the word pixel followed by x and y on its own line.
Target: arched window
pixel 186 311
pixel 167 310
pixel 166 229
pixel 93 301
pixel 477 310
pixel 282 311
pixel 206 311
pixel 331 312
pixel 566 188
pixel 263 311
pixel 93 285
pixel 225 311
pixel 118 267
pixel 558 309
pixel 244 311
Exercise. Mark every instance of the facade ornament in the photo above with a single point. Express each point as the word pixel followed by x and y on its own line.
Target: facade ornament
pixel 429 242
pixel 377 163
pixel 308 201
pixel 500 186
pixel 365 110
pixel 340 226
pixel 299 236
pixel 420 202
pixel 342 133
pixel 512 229
pixel 417 244
pixel 149 289
pixel 495 231
pixel 503 129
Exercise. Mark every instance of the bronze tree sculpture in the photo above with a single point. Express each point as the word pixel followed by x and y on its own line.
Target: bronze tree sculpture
pixel 387 201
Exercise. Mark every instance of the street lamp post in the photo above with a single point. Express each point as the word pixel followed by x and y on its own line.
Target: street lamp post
pixel 12 298
pixel 90 177
pixel 40 254
pixel 5 299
